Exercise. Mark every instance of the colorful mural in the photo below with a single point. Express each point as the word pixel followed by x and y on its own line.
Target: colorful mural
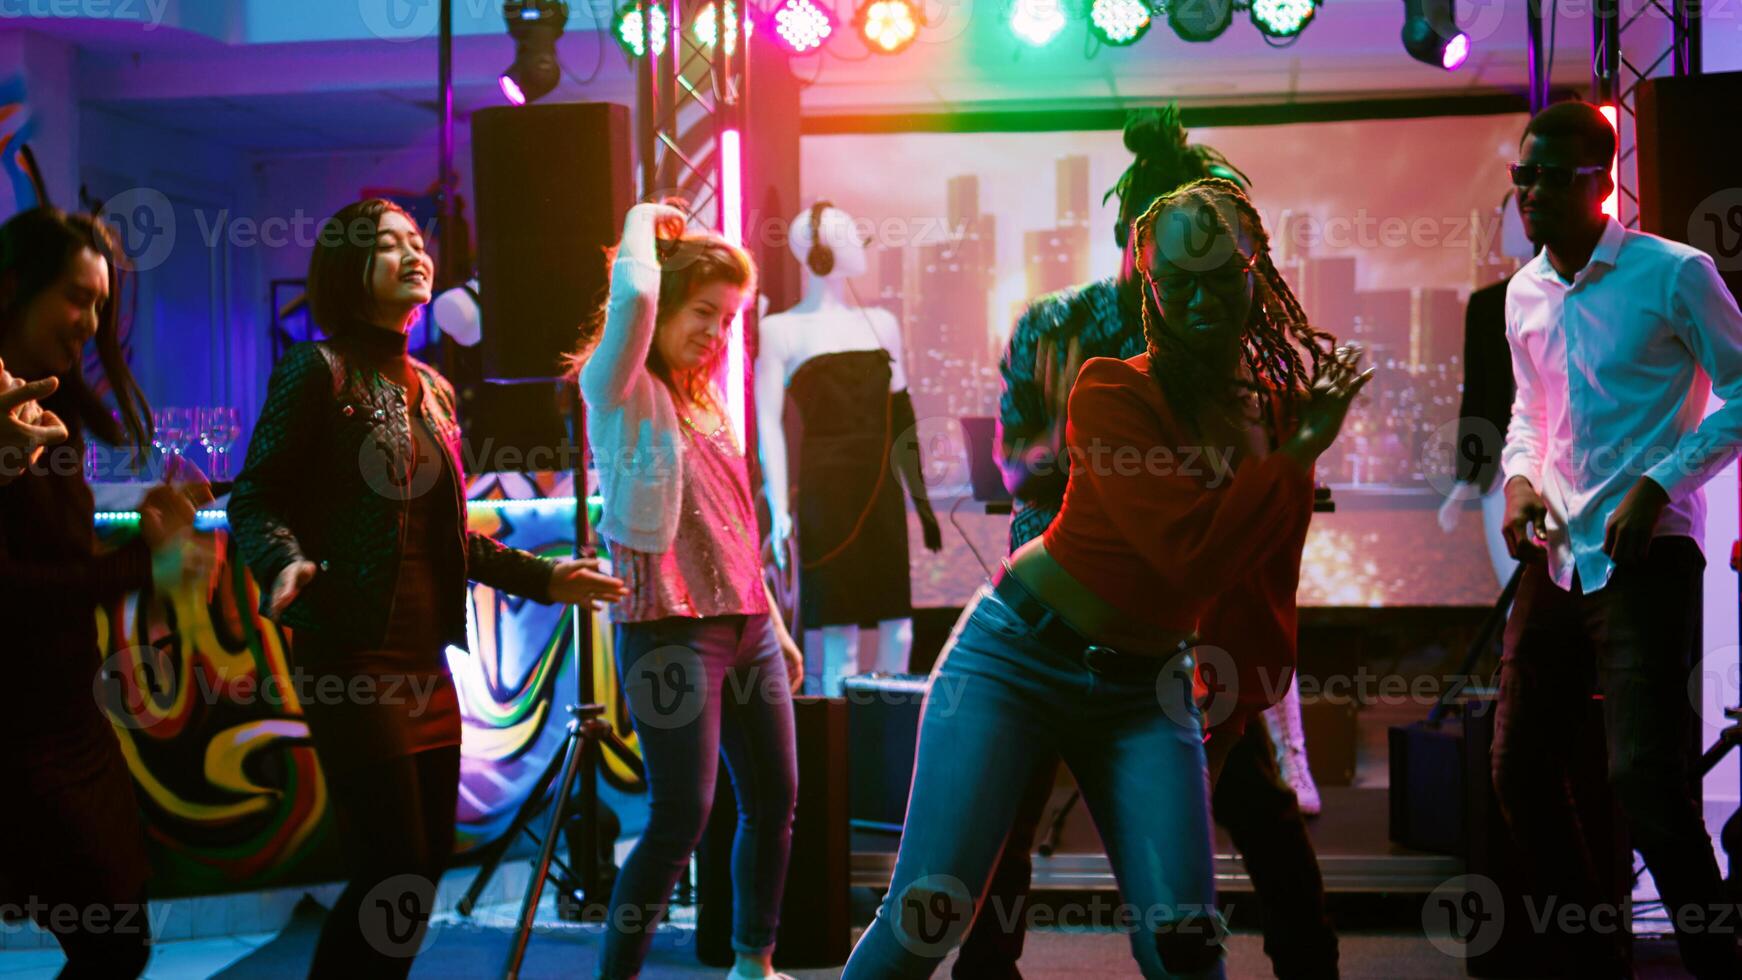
pixel 199 690
pixel 21 189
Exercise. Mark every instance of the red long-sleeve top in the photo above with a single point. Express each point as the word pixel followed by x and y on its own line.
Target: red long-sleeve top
pixel 1151 524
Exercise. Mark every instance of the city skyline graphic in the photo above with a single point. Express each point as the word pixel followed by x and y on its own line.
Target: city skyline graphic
pixel 1382 228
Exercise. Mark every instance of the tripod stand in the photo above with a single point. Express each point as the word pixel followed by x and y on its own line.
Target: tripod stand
pixel 578 758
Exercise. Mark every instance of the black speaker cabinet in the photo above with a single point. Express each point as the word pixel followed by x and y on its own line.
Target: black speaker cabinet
pixel 552 182
pixel 883 739
pixel 1690 165
pixel 1491 852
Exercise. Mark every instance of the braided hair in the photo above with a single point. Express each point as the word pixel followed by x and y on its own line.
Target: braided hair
pixel 1278 342
pixel 1164 161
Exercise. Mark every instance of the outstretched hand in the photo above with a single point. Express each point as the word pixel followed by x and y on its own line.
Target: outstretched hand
pixel 25 427
pixel 578 582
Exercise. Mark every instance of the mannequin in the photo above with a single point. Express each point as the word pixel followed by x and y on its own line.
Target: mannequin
pixel 843 365
pixel 1488 397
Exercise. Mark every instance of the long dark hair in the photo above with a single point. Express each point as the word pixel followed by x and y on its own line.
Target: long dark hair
pixel 36 248
pixel 1164 161
pixel 1281 349
pixel 341 299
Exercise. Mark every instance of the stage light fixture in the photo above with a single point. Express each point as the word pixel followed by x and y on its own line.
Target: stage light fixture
pixel 1283 18
pixel 887 26
pixel 535 26
pixel 803 25
pixel 1036 22
pixel 626 28
pixel 1118 22
pixel 705 27
pixel 1198 21
pixel 1431 35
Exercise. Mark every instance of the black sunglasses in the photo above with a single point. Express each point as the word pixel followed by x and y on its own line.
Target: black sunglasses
pixel 1529 174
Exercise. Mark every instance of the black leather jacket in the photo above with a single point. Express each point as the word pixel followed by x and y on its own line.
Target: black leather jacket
pixel 326 481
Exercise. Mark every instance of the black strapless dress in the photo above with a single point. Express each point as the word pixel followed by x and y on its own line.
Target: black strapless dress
pixel 852 512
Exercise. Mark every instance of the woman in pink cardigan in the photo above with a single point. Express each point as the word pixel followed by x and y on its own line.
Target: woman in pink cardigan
pixel 707 666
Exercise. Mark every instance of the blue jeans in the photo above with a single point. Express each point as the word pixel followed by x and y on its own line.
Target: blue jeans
pixel 1000 705
pixel 698 688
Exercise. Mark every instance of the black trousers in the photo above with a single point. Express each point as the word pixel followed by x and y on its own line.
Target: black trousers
pixel 1259 811
pixel 1637 637
pixel 397 816
pixel 119 951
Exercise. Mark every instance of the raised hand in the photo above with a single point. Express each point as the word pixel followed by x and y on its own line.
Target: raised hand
pixel 1328 405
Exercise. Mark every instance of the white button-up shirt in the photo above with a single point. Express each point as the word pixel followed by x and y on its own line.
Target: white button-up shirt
pixel 1613 373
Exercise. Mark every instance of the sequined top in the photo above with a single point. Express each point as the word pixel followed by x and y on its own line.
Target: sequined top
pixel 714 567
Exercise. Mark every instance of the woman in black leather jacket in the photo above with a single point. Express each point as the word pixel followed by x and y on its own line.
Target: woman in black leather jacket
pixel 350 512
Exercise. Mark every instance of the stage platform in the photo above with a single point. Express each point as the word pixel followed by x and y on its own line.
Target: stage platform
pixel 1355 854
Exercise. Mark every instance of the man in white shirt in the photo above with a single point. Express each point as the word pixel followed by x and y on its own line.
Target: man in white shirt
pixel 1618 338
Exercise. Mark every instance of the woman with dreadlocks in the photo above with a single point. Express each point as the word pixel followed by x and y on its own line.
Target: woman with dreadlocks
pixel 1189 494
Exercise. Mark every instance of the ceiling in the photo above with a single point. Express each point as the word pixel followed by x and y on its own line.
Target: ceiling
pixel 372 93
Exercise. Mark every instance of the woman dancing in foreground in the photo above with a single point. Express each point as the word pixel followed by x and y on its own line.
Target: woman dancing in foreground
pixel 1084 647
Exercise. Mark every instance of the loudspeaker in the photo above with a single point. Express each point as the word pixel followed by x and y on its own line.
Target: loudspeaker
pixel 1427 786
pixel 1690 165
pixel 816 929
pixel 1490 851
pixel 883 740
pixel 552 182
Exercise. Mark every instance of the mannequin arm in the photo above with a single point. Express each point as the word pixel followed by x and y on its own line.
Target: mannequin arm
pixel 771 434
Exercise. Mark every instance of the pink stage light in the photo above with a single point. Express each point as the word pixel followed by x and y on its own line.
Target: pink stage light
pixel 1457 52
pixel 1612 203
pixel 803 25
pixel 732 221
pixel 511 91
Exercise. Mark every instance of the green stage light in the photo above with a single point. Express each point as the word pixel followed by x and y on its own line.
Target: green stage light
pixel 1036 22
pixel 626 27
pixel 1118 22
pixel 1282 18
